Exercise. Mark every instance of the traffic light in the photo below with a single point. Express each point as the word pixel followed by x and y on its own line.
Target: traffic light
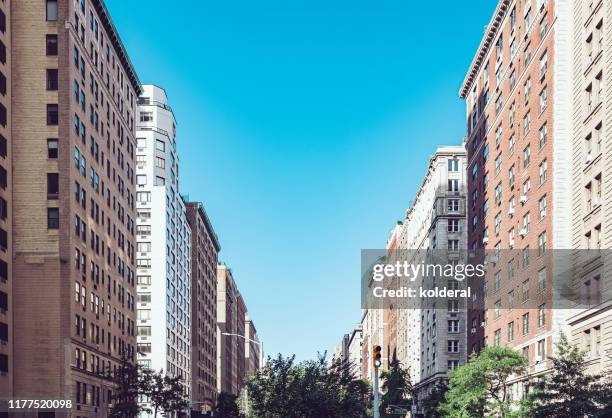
pixel 377 356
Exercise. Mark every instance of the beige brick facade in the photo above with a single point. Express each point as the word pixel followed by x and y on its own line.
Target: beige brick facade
pixel 74 214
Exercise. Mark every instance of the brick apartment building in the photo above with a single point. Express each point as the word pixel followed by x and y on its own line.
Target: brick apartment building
pixel 6 236
pixel 538 144
pixel 74 94
pixel 205 249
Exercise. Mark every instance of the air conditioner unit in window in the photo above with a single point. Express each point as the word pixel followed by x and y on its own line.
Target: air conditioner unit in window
pixel 511 242
pixel 523 199
pixel 485 240
pixel 588 157
pixel 483 324
pixel 473 331
pixel 523 232
pixel 511 210
pixel 596 201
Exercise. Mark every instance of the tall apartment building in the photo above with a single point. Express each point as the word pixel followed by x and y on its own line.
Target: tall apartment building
pixel 6 227
pixel 239 349
pixel 164 242
pixel 204 259
pixel 241 314
pixel 355 351
pixel 531 108
pixel 391 312
pixel 591 190
pixel 227 323
pixel 253 351
pixel 74 95
pixel 431 338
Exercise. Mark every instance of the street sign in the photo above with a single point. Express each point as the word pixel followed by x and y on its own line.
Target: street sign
pixel 396 410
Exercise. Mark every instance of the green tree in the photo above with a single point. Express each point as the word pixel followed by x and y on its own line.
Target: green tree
pixel 480 387
pixel 434 399
pixel 125 395
pixel 310 389
pixel 164 393
pixel 569 391
pixel 227 406
pixel 396 388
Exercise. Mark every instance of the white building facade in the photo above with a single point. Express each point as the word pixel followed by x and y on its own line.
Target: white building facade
pixel 432 340
pixel 163 243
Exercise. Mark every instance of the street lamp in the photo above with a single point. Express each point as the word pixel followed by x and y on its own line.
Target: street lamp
pixel 260 344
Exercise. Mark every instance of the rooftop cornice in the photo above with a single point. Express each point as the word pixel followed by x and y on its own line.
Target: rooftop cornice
pixel 485 46
pixel 108 24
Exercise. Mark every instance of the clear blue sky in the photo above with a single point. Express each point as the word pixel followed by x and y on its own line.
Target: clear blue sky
pixel 305 127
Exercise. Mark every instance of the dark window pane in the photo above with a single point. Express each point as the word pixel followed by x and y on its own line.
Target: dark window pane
pixel 3 271
pixel 3 117
pixel 51 79
pixel 53 218
pixel 3 208
pixel 3 331
pixel 3 301
pixel 52 185
pixel 2 52
pixel 52 148
pixel 3 240
pixel 52 117
pixel 4 363
pixel 2 146
pixel 51 44
pixel 2 84
pixel 3 175
pixel 2 21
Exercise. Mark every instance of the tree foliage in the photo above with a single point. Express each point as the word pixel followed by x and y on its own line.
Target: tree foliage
pixel 396 387
pixel 164 393
pixel 434 399
pixel 310 389
pixel 480 387
pixel 127 388
pixel 227 406
pixel 569 391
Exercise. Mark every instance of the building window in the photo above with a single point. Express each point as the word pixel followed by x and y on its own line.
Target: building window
pixel 51 44
pixel 453 165
pixel 541 350
pixel 51 79
pixel 53 218
pixel 3 363
pixel 526 324
pixel 52 114
pixel 160 145
pixel 542 279
pixel 52 185
pixel 542 315
pixel 51 10
pixel 542 207
pixel 3 208
pixel 453 346
pixel 453 325
pixel 3 116
pixel 146 116
pixel 52 148
pixel 511 331
pixel 2 84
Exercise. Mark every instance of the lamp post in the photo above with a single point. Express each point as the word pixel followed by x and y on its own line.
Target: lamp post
pixel 260 344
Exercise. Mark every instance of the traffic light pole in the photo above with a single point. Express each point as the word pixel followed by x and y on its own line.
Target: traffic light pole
pixel 376 402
